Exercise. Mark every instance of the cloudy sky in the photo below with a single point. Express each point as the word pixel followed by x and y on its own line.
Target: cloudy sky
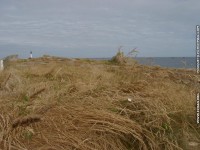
pixel 96 28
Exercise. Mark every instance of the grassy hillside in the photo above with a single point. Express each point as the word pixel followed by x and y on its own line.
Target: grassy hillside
pixel 61 104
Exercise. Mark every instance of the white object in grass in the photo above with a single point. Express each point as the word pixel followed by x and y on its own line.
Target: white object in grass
pixel 31 54
pixel 1 65
pixel 129 99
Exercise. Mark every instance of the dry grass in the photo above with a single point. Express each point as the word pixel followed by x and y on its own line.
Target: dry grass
pixel 56 103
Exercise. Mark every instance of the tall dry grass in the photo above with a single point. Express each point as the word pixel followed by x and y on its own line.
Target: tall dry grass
pixel 57 103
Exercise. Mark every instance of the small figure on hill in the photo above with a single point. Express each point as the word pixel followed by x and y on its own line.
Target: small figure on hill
pixel 31 55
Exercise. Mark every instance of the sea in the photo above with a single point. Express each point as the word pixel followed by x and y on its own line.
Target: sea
pixel 169 62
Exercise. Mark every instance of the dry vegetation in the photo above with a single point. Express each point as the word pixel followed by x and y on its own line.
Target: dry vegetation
pixel 60 104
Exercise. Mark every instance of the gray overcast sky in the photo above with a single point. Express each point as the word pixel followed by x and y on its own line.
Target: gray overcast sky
pixel 96 28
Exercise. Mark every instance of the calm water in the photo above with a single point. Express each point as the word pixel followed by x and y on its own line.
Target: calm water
pixel 172 62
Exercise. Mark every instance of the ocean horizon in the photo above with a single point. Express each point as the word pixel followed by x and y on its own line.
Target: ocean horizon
pixel 169 62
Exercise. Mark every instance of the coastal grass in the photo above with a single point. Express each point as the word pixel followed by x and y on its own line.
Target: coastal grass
pixel 52 103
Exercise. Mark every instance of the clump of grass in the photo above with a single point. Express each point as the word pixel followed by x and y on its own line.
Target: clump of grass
pixel 28 134
pixel 37 93
pixel 3 84
pixel 119 58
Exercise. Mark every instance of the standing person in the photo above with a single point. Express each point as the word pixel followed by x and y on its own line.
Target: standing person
pixel 31 54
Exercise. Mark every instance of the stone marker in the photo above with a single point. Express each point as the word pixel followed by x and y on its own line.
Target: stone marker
pixel 1 65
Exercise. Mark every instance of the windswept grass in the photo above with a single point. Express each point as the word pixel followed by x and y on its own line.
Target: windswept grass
pixel 56 103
